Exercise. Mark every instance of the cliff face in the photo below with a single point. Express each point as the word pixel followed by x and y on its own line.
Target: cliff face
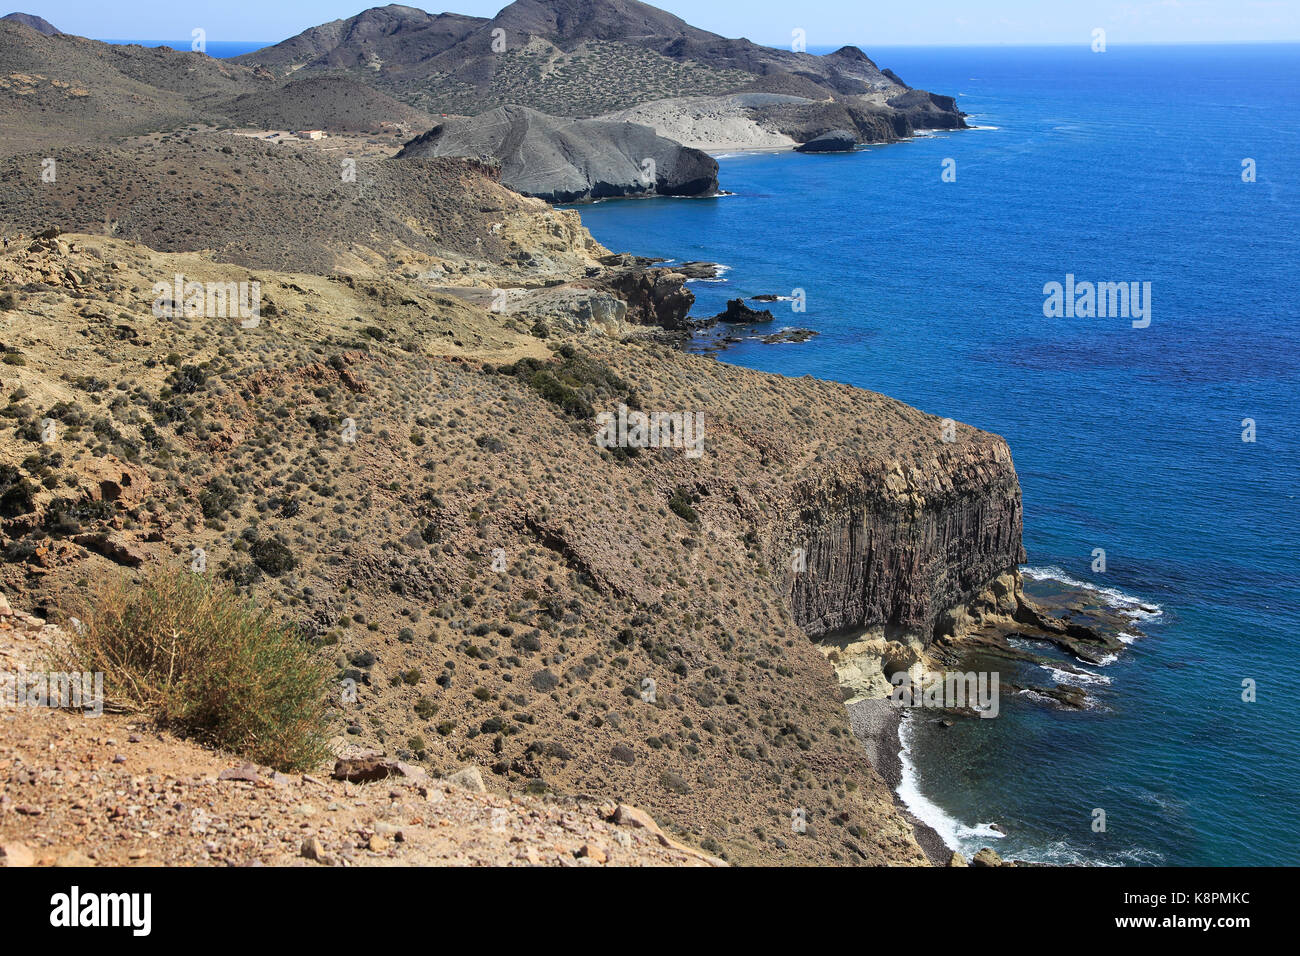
pixel 898 545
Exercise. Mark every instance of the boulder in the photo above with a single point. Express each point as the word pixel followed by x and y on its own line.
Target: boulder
pixel 738 312
pixel 468 778
pixel 986 857
pixel 17 854
pixel 836 141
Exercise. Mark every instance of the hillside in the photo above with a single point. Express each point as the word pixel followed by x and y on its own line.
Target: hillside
pixel 69 91
pixel 267 206
pixel 335 103
pixel 572 58
pixel 617 568
pixel 151 799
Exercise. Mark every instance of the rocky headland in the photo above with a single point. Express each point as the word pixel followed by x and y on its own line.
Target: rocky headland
pixel 572 160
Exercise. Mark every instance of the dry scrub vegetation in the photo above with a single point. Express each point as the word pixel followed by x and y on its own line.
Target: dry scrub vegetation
pixel 198 658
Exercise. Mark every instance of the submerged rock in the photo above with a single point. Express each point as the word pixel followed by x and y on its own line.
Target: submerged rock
pixel 788 335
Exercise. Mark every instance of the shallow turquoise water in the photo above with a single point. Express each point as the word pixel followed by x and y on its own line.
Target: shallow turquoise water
pixel 1123 166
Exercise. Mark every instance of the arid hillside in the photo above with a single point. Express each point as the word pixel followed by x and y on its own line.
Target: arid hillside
pixel 66 90
pixel 415 484
pixel 272 207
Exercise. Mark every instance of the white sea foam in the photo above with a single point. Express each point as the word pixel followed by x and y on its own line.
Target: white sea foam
pixel 955 834
pixel 1035 696
pixel 1126 604
pixel 1024 643
pixel 1079 678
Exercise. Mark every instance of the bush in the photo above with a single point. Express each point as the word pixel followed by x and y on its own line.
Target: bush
pixel 680 503
pixel 272 556
pixel 201 661
pixel 17 494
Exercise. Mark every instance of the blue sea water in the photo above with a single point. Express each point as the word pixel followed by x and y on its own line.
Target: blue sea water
pixel 217 49
pixel 1120 166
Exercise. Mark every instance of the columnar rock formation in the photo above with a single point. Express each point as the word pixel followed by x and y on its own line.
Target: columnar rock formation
pixel 899 544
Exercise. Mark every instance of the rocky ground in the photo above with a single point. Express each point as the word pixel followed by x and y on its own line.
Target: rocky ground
pixel 79 790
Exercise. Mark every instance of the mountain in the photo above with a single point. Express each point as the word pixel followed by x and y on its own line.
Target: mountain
pixel 578 58
pixel 66 90
pixel 392 35
pixel 38 24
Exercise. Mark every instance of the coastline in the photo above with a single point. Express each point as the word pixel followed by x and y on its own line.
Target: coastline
pixel 875 722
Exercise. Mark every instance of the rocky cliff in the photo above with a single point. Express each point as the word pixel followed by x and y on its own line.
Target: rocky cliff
pixel 897 544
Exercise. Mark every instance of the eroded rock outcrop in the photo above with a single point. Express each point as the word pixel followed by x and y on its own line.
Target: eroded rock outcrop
pixel 836 141
pixel 899 544
pixel 572 160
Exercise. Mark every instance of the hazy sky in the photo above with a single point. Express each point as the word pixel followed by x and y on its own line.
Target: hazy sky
pixel 826 22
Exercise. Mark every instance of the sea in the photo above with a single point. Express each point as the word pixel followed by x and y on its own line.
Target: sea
pixel 1158 459
pixel 218 49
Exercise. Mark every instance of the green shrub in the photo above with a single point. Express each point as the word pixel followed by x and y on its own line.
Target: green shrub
pixel 272 556
pixel 680 504
pixel 190 652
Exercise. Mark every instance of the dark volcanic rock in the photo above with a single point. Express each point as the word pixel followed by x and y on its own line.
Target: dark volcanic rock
pixel 738 312
pixel 38 24
pixel 563 160
pixel 698 270
pixel 788 335
pixel 804 121
pixel 929 110
pixel 836 141
pixel 657 297
pixel 879 537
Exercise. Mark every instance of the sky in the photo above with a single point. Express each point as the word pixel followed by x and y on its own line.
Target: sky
pixel 868 23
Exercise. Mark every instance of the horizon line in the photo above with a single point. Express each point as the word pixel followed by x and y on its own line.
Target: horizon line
pixel 834 46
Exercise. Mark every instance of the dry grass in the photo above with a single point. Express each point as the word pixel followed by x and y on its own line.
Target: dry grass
pixel 202 661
